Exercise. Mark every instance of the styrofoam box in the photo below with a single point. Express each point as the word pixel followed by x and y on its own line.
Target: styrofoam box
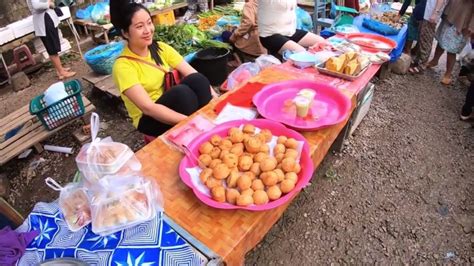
pixel 6 35
pixel 66 13
pixel 22 27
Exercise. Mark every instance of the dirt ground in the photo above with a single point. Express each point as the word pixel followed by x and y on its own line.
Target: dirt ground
pixel 400 192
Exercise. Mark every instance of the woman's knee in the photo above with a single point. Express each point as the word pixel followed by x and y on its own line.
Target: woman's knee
pixel 196 79
pixel 180 98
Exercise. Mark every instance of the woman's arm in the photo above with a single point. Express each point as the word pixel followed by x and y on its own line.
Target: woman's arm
pixel 247 22
pixel 404 8
pixel 159 112
pixel 40 4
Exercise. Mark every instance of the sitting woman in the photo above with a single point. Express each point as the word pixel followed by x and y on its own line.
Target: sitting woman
pixel 139 74
pixel 245 37
pixel 277 28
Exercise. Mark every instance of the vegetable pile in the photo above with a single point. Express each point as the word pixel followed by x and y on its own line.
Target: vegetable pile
pixel 185 38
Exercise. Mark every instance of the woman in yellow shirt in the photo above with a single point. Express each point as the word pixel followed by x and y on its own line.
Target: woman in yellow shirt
pixel 141 83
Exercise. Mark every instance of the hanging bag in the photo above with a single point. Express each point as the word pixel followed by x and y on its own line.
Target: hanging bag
pixel 171 77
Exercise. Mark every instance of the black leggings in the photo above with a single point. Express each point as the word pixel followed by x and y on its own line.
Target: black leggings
pixel 469 104
pixel 186 98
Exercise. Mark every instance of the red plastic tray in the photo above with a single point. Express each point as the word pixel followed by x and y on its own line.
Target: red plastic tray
pixel 372 42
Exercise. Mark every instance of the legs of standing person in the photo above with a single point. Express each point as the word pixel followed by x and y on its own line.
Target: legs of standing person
pixel 407 48
pixel 466 111
pixel 450 61
pixel 438 53
pixel 186 98
pixel 425 42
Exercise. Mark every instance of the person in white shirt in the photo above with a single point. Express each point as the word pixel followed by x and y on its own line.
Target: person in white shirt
pixel 193 5
pixel 277 28
pixel 45 22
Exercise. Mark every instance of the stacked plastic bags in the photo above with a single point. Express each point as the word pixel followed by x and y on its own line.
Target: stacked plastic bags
pixel 114 195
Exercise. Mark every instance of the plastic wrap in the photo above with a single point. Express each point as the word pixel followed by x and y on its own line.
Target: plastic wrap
pixel 74 204
pixel 120 202
pixel 241 74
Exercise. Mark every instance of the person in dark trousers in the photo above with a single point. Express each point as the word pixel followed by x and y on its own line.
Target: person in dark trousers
pixel 413 22
pixel 467 70
pixel 140 74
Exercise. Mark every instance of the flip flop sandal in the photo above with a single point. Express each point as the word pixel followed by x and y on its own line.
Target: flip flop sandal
pixel 414 70
pixel 446 81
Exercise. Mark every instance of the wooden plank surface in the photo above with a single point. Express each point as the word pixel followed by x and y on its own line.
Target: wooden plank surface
pixel 104 83
pixel 35 133
pixel 229 233
pixel 169 8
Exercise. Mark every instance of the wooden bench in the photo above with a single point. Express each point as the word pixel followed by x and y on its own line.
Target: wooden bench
pixel 97 31
pixel 104 83
pixel 31 131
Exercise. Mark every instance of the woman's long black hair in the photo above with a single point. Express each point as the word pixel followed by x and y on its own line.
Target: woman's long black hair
pixel 121 14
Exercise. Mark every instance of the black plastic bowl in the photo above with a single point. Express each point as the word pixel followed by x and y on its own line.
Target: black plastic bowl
pixel 212 63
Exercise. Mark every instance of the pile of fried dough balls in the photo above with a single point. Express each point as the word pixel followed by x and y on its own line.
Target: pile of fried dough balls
pixel 239 168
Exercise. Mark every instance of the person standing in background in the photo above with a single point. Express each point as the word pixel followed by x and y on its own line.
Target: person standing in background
pixel 413 22
pixel 455 29
pixel 45 22
pixel 192 8
pixel 430 18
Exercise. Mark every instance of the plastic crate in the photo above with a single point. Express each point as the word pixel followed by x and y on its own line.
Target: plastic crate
pixel 166 18
pixel 61 112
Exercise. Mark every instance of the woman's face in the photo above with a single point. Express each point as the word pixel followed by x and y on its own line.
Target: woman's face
pixel 141 30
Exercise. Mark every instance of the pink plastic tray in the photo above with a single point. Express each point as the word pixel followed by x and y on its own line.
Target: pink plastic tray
pixel 277 129
pixel 330 106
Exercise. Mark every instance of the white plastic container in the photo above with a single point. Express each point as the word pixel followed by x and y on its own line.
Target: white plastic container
pixel 109 158
pixel 6 35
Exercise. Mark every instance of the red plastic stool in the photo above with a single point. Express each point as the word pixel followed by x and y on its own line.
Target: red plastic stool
pixel 148 138
pixel 22 57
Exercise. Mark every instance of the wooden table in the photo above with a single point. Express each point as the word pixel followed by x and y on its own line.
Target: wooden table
pixel 230 234
pixel 92 27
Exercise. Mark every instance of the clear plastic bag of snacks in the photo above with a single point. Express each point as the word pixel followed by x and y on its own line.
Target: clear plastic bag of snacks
pixel 100 157
pixel 74 204
pixel 120 202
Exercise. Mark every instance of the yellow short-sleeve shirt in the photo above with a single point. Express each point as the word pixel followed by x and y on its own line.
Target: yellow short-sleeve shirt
pixel 127 73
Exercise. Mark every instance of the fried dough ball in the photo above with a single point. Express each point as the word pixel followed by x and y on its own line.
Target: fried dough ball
pixel 274 192
pixel 232 179
pixel 248 191
pixel 291 143
pixel 265 148
pixel 214 163
pixel 291 153
pixel 223 153
pixel 205 148
pixel 215 152
pixel 231 195
pixel 280 174
pixel 249 129
pixel 297 168
pixel 221 171
pixel 216 140
pixel 261 137
pixel 287 185
pixel 236 136
pixel 212 182
pixel 247 137
pixel 269 178
pixel 244 200
pixel 268 134
pixel 260 197
pixel 231 160
pixel 250 174
pixel 233 129
pixel 226 144
pixel 288 164
pixel 282 140
pixel 245 162
pixel 244 182
pixel 279 157
pixel 257 184
pixel 255 168
pixel 204 160
pixel 279 148
pixel 253 145
pixel 292 176
pixel 218 193
pixel 268 164
pixel 259 157
pixel 237 149
pixel 205 174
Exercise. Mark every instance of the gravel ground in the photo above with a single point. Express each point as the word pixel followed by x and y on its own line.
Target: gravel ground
pixel 400 192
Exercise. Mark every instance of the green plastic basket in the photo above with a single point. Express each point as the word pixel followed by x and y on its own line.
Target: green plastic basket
pixel 60 112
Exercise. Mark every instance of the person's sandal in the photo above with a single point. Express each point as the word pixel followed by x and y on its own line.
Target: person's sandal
pixel 414 70
pixel 446 81
pixel 66 75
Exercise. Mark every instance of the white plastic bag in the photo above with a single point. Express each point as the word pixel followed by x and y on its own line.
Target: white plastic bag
pixel 266 60
pixel 101 158
pixel 241 74
pixel 74 204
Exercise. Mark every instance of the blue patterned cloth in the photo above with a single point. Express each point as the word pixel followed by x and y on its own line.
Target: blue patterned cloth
pixel 150 243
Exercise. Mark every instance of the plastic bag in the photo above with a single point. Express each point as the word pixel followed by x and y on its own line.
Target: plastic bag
pixel 303 20
pixel 84 13
pixel 232 21
pixel 241 74
pixel 99 11
pixel 74 204
pixel 121 202
pixel 379 27
pixel 102 158
pixel 103 52
pixel 265 61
